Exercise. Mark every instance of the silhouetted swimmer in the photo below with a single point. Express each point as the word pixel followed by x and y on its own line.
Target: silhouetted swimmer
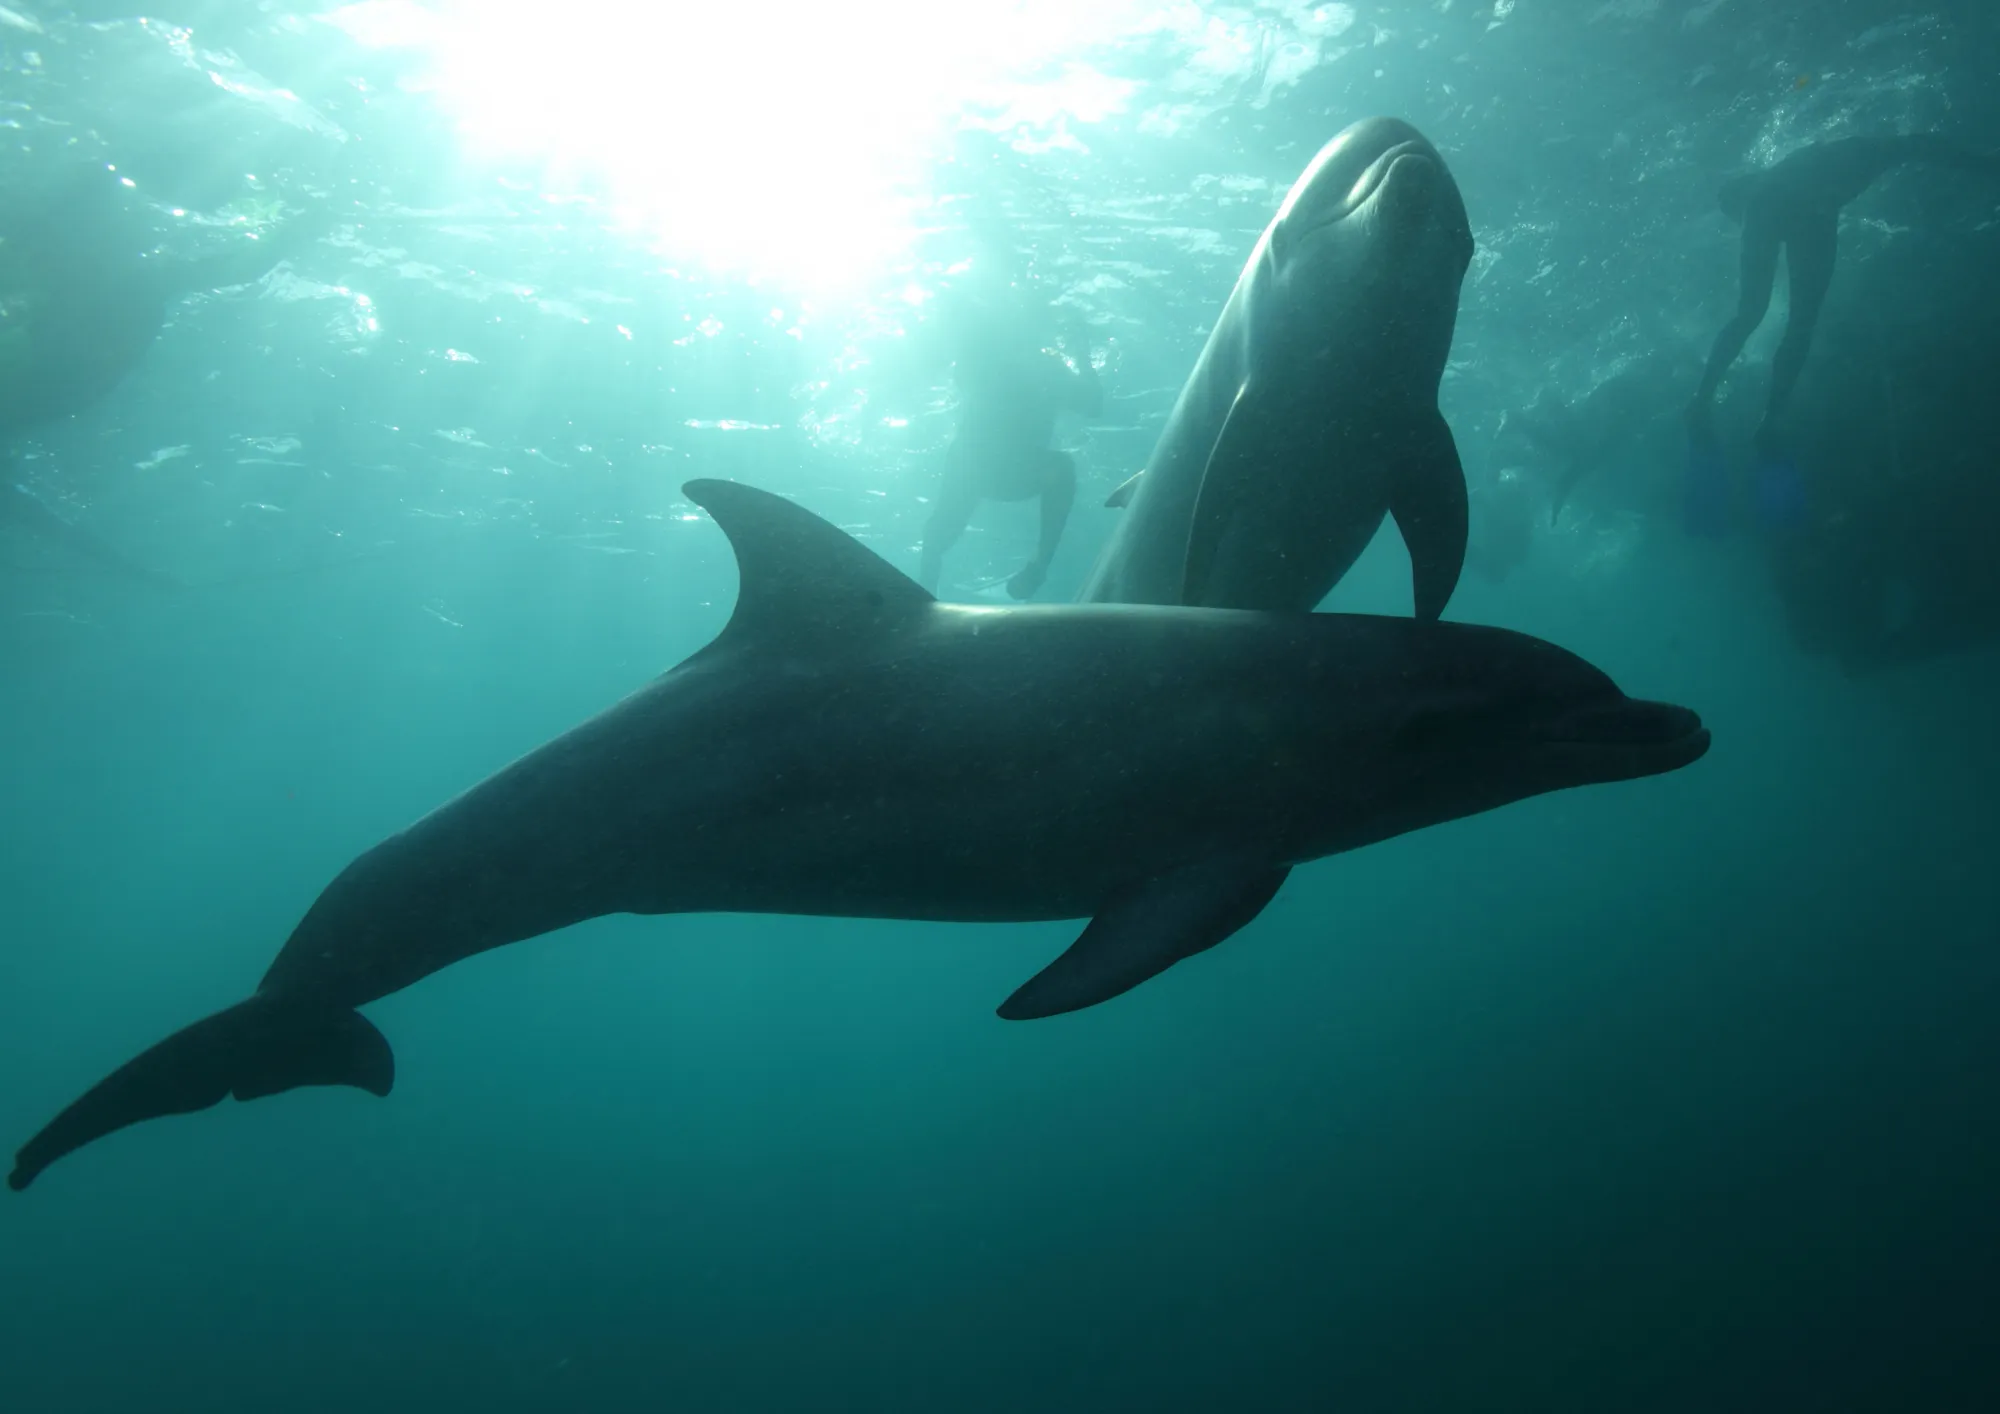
pixel 82 298
pixel 1795 205
pixel 86 297
pixel 1011 389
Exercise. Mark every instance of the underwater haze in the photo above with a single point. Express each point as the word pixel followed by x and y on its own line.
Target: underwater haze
pixel 1675 1094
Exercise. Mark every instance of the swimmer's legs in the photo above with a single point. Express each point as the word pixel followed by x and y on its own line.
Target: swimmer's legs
pixel 1758 269
pixel 957 499
pixel 1809 258
pixel 1058 495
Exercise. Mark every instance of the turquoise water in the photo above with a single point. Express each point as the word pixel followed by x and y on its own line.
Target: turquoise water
pixel 1669 1095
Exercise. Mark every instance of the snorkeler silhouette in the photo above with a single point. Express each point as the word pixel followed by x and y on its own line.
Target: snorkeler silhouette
pixel 81 300
pixel 1011 388
pixel 1794 205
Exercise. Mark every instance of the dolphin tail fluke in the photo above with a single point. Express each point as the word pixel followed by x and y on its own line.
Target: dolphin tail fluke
pixel 255 1048
pixel 1429 503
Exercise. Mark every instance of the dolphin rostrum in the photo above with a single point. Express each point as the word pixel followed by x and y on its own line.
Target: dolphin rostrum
pixel 1312 411
pixel 849 746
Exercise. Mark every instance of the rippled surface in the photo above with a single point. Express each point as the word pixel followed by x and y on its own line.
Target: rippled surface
pixel 608 242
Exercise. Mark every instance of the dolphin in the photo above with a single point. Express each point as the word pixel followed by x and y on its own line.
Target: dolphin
pixel 1157 770
pixel 1630 402
pixel 1312 412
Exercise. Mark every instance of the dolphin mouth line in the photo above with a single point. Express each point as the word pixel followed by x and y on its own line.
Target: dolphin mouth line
pixel 1650 735
pixel 1376 177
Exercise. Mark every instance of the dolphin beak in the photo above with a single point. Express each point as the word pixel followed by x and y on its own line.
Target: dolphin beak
pixel 1625 738
pixel 1411 184
pixel 1406 189
pixel 1416 192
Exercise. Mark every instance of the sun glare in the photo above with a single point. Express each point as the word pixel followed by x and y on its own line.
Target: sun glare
pixel 789 138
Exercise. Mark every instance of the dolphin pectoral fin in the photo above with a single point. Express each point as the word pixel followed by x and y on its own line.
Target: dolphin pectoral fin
pixel 255 1048
pixel 1147 929
pixel 1429 503
pixel 1121 496
pixel 1225 485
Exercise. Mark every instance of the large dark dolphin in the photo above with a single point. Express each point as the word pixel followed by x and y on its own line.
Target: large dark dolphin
pixel 1312 412
pixel 1159 771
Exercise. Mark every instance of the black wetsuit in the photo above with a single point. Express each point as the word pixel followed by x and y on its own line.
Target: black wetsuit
pixel 1796 205
pixel 82 304
pixel 93 301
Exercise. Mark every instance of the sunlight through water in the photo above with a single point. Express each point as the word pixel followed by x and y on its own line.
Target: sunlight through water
pixel 790 140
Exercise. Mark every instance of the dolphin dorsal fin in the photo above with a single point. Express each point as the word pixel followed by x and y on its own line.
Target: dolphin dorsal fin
pixel 803 580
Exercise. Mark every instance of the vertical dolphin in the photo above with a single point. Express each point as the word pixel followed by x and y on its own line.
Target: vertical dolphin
pixel 1312 412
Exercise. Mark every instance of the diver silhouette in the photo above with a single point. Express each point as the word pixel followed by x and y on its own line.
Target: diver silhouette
pixel 82 298
pixel 86 297
pixel 1795 205
pixel 1011 388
